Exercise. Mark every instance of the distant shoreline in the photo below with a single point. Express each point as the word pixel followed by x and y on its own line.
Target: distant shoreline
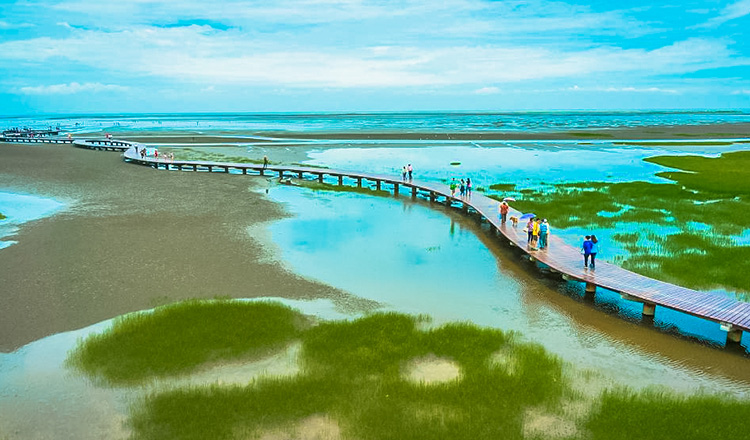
pixel 680 132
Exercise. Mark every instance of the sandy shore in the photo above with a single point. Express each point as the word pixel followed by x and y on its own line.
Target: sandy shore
pixel 132 238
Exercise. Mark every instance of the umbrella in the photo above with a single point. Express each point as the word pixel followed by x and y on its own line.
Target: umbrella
pixel 526 216
pixel 509 199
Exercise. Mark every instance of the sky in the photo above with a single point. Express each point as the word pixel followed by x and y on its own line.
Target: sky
pixel 140 56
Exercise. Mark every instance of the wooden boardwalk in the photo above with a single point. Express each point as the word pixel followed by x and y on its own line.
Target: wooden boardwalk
pixel 733 316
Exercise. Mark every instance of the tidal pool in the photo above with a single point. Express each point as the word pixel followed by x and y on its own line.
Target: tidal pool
pixel 420 260
pixel 22 208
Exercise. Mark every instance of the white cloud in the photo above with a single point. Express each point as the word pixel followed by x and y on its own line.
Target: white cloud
pixel 6 25
pixel 188 54
pixel 487 91
pixel 732 11
pixel 71 88
pixel 741 92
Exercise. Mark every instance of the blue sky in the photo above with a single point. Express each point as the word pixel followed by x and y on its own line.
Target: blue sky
pixel 99 56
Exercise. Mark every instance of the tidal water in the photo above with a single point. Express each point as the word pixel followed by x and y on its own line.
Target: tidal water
pixel 418 259
pixel 542 121
pixel 22 208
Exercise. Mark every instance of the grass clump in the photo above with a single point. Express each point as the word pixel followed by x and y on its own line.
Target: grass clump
pixel 2 217
pixel 502 186
pixel 681 144
pixel 189 154
pixel 690 257
pixel 178 338
pixel 353 373
pixel 656 415
pixel 320 186
pixel 728 174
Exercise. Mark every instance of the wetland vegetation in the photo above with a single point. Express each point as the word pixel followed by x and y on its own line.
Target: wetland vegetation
pixel 381 376
pixel 680 232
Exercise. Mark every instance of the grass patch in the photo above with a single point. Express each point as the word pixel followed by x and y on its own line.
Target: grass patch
pixel 690 258
pixel 653 415
pixel 178 338
pixel 320 186
pixel 679 144
pixel 502 186
pixel 353 374
pixel 455 163
pixel 189 154
pixel 728 174
pixel 587 134
pixel 2 217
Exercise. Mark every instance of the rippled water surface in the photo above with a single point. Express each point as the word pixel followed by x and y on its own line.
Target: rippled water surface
pixel 417 259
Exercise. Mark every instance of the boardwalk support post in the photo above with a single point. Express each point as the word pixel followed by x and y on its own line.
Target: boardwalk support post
pixel 590 287
pixel 377 184
pixel 320 177
pixel 395 189
pixel 413 192
pixel 734 334
pixel 649 309
pixel 341 180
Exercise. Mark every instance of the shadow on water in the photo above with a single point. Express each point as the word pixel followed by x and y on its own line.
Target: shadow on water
pixel 415 258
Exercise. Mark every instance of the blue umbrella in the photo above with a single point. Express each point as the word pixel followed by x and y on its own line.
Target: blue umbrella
pixel 525 216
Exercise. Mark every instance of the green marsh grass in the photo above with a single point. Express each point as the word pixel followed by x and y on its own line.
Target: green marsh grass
pixel 2 217
pixel 695 259
pixel 502 186
pixel 724 175
pixel 682 143
pixel 353 372
pixel 662 416
pixel 322 186
pixel 178 338
pixel 190 154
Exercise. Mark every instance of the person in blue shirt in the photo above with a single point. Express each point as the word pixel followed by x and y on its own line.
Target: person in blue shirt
pixel 594 250
pixel 586 250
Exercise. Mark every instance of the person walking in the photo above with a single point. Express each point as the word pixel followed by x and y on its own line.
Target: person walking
pixel 265 162
pixel 543 234
pixel 529 229
pixel 403 173
pixel 462 188
pixel 535 233
pixel 468 186
pixel 504 208
pixel 410 170
pixel 586 250
pixel 453 187
pixel 594 250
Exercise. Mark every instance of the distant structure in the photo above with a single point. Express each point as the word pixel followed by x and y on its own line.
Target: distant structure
pixel 30 132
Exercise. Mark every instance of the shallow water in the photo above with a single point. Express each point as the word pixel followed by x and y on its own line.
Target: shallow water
pixel 421 260
pixel 22 208
pixel 41 398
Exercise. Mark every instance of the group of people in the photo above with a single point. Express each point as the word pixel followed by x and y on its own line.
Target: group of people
pixel 406 172
pixel 538 233
pixel 589 249
pixel 463 187
pixel 165 156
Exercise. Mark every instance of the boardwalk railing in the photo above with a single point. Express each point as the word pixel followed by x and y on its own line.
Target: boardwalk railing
pixel 733 316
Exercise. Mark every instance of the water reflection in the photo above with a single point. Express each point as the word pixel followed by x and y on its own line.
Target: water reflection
pixel 417 259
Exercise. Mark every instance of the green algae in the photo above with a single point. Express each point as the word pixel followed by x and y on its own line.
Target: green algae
pixel 177 338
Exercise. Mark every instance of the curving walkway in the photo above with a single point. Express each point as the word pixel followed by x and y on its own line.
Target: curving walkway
pixel 733 316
